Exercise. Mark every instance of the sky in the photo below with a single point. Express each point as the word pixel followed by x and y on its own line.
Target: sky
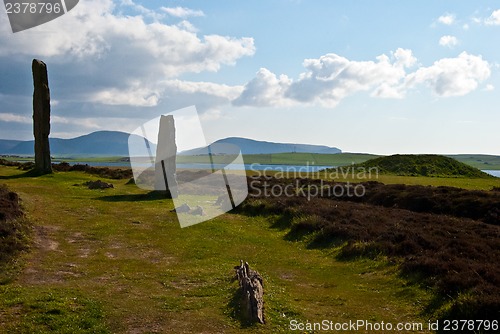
pixel 380 77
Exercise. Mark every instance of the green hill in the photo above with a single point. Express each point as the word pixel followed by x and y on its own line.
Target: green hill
pixel 423 165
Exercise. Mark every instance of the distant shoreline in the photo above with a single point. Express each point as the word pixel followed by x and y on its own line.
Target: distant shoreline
pixel 479 161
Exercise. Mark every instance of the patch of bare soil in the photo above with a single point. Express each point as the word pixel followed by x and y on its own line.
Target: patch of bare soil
pixel 43 244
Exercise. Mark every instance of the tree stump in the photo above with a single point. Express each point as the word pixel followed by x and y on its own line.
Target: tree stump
pixel 41 117
pixel 252 287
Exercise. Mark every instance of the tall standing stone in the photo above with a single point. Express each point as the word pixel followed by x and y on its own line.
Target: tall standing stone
pixel 41 117
pixel 166 151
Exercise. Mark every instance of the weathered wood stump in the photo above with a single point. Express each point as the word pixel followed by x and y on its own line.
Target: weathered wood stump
pixel 41 117
pixel 252 287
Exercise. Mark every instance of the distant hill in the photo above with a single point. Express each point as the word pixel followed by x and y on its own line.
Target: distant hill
pixel 6 144
pixel 100 143
pixel 423 165
pixel 480 161
pixel 114 143
pixel 250 146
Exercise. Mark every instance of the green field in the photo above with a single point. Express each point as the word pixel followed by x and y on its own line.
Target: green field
pixel 302 159
pixel 341 159
pixel 72 159
pixel 116 261
pixel 465 183
pixel 479 161
pixel 489 162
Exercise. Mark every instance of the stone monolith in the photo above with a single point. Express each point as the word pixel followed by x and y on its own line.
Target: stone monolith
pixel 166 150
pixel 41 117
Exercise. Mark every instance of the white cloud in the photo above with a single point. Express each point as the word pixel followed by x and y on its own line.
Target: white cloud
pixel 331 78
pixel 448 41
pixel 452 76
pixel 103 33
pixel 182 12
pixel 89 123
pixel 494 18
pixel 265 90
pixel 117 60
pixel 447 19
pixel 404 57
pixel 191 87
pixel 70 127
pixel 476 20
pixel 142 10
pixel 9 117
pixel 188 26
pixel 124 60
pixel 211 115
pixel 489 88
pixel 385 90
pixel 170 90
pixel 328 80
pixel 139 97
pixel 54 119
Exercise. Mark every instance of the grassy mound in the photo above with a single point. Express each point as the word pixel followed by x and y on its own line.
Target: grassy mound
pixel 422 165
pixel 14 229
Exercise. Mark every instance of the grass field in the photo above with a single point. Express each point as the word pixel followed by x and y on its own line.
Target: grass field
pixel 465 183
pixel 67 158
pixel 479 161
pixel 341 159
pixel 116 261
pixel 489 162
pixel 302 159
pixel 473 184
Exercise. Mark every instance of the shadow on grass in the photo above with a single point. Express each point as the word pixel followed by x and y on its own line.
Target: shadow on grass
pixel 282 223
pixel 150 196
pixel 321 242
pixel 30 173
pixel 237 310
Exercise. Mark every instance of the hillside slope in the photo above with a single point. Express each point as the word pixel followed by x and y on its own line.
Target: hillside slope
pixel 109 143
pixel 250 146
pixel 422 165
pixel 7 144
pixel 479 161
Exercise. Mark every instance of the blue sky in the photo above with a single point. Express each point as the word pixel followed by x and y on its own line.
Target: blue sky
pixel 365 76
